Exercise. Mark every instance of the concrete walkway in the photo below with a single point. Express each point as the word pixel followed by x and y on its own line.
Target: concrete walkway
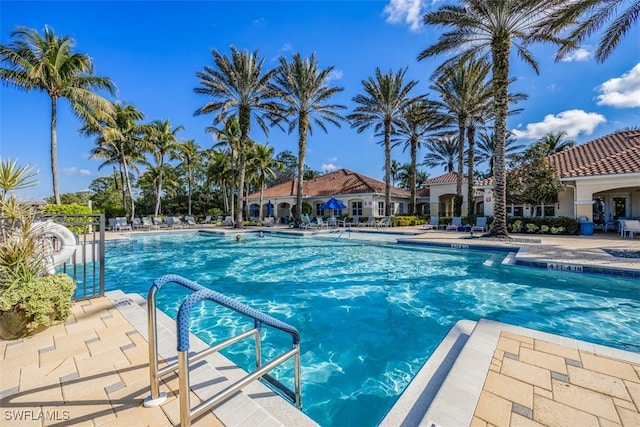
pixel 93 369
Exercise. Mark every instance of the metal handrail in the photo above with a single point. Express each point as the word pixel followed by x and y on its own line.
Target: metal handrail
pixel 183 330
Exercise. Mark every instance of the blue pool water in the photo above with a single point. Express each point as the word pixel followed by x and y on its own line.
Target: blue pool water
pixel 369 314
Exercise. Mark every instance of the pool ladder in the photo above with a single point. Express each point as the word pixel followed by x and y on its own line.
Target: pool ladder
pixel 200 293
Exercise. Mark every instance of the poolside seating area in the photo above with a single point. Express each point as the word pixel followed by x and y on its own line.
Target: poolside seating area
pixel 629 228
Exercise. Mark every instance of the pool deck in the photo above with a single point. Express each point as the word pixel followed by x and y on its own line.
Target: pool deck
pixel 93 369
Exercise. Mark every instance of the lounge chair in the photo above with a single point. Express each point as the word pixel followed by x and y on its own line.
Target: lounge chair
pixel 207 220
pixel 434 223
pixel 456 222
pixel 350 222
pixel 481 224
pixel 190 220
pixel 137 224
pixel 384 222
pixel 370 222
pixel 174 222
pixel 159 222
pixel 321 223
pixel 228 221
pixel 121 224
pixel 307 223
pixel 269 221
pixel 148 224
pixel 111 224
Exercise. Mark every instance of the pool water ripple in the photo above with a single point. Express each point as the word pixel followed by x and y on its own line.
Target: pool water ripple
pixel 369 314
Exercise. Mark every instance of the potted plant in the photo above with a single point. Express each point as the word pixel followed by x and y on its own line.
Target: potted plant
pixel 30 299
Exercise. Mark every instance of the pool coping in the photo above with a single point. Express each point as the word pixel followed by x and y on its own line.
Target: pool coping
pixel 456 400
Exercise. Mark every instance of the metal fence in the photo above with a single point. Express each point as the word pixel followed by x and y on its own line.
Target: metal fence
pixel 86 265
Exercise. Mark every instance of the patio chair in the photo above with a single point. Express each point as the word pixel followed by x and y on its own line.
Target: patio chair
pixel 350 222
pixel 370 222
pixel 228 221
pixel 307 223
pixel 630 227
pixel 190 220
pixel 269 221
pixel 481 224
pixel 137 224
pixel 159 222
pixel 321 223
pixel 384 222
pixel 148 224
pixel 434 223
pixel 207 220
pixel 121 224
pixel 456 222
pixel 174 222
pixel 111 224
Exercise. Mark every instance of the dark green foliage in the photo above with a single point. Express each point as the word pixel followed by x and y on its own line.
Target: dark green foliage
pixel 549 225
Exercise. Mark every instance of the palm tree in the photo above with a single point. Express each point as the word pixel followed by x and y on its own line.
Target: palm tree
pixel 394 167
pixel 238 88
pixel 161 142
pixel 304 91
pixel 228 139
pixel 441 152
pixel 486 151
pixel 466 93
pixel 595 14
pixel 220 170
pixel 387 97
pixel 420 118
pixel 265 166
pixel 48 64
pixel 117 142
pixel 191 157
pixel 555 142
pixel 479 28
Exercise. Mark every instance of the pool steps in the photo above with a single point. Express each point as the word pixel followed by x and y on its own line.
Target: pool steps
pixel 213 374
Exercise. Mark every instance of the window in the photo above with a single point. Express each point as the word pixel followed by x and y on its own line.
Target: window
pixel 381 208
pixel 518 211
pixel 356 208
pixel 548 210
pixel 319 210
pixel 400 208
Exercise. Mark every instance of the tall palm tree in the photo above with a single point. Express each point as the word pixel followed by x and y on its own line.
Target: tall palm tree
pixel 191 156
pixel 238 88
pixel 441 152
pixel 220 170
pixel 465 91
pixel 486 150
pixel 265 165
pixel 161 141
pixel 556 142
pixel 386 98
pixel 117 142
pixel 394 167
pixel 420 119
pixel 228 139
pixel 48 64
pixel 480 28
pixel 591 16
pixel 304 91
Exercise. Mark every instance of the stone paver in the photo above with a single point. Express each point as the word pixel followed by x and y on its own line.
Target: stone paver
pixel 603 392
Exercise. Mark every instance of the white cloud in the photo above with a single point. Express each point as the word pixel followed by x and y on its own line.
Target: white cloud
pixel 328 167
pixel 286 48
pixel 579 55
pixel 73 171
pixel 573 122
pixel 334 75
pixel 332 159
pixel 405 11
pixel 621 92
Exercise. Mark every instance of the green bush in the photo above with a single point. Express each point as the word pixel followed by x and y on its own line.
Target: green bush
pixel 553 225
pixel 45 300
pixel 70 209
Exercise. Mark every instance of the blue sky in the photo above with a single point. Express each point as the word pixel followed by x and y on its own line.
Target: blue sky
pixel 152 50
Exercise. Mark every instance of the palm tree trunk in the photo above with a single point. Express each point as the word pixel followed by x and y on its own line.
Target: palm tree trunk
pixel 54 148
pixel 414 172
pixel 457 205
pixel 500 57
pixel 242 168
pixel 471 134
pixel 387 170
pixel 189 188
pixel 129 190
pixel 158 191
pixel 303 126
pixel 123 186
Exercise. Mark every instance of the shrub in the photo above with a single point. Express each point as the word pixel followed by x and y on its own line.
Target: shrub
pixel 44 300
pixel 531 228
pixel 70 209
pixel 516 226
pixel 553 225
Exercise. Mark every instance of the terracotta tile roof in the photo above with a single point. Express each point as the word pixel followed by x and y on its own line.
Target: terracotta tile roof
pixel 446 178
pixel 341 181
pixel 615 153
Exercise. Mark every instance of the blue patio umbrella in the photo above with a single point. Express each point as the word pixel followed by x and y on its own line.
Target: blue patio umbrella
pixel 269 208
pixel 333 203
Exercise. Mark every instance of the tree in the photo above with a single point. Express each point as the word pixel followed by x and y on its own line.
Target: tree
pixel 117 142
pixel 48 64
pixel 420 118
pixel 161 141
pixel 304 92
pixel 191 157
pixel 238 88
pixel 486 151
pixel 265 166
pixel 289 170
pixel 220 170
pixel 394 167
pixel 477 29
pixel 532 178
pixel 386 98
pixel 595 14
pixel 555 142
pixel 441 152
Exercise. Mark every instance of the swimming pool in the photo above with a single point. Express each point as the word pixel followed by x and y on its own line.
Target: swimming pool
pixel 369 314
